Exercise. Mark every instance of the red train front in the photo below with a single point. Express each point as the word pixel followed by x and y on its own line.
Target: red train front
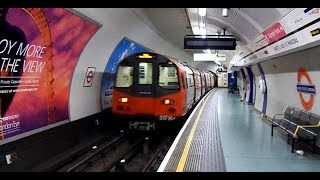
pixel 153 87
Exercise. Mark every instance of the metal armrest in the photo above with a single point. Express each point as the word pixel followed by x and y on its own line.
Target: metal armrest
pixel 308 131
pixel 277 115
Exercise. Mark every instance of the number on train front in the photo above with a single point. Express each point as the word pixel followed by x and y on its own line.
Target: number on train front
pixel 166 118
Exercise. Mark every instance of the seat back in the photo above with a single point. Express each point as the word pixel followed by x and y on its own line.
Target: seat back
pixel 295 114
pixel 304 117
pixel 314 119
pixel 288 111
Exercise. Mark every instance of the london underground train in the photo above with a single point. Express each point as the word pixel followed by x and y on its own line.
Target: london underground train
pixel 150 88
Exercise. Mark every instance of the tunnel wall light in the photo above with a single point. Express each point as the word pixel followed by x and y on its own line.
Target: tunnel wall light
pixel 209 57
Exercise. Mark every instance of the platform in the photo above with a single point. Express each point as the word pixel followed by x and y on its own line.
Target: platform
pixel 225 134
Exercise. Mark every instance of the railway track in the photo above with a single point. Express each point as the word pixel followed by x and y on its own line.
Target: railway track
pixel 145 157
pixel 86 160
pixel 153 164
pixel 129 151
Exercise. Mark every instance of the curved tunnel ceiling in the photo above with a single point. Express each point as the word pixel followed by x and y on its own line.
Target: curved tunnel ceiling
pixel 245 24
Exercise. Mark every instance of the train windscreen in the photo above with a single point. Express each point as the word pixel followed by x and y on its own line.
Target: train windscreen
pixel 124 76
pixel 168 76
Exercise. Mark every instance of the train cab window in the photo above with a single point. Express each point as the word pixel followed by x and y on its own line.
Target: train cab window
pixel 145 73
pixel 168 76
pixel 172 72
pixel 124 76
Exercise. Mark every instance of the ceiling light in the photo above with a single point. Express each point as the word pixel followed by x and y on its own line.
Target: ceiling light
pixel 202 11
pixel 209 57
pixel 225 12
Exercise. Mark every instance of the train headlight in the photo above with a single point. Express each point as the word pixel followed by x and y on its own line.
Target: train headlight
pixel 124 100
pixel 168 101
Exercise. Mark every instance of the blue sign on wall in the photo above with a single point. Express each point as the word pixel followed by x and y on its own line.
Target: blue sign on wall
pixel 124 48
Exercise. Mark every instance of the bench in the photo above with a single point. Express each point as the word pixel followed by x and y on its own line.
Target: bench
pixel 300 125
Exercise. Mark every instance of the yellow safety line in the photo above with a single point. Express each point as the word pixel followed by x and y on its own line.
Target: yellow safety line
pixel 189 140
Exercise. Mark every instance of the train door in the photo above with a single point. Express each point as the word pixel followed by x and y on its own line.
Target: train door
pixel 215 77
pixel 206 77
pixel 190 88
pixel 197 82
pixel 145 86
pixel 203 84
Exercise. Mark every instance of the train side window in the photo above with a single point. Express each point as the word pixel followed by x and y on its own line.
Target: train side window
pixel 145 73
pixel 191 82
pixel 168 76
pixel 124 76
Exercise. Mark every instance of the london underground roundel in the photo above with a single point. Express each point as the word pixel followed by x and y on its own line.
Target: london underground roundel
pixel 305 88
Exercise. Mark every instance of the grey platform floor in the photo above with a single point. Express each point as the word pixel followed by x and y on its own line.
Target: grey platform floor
pixel 248 145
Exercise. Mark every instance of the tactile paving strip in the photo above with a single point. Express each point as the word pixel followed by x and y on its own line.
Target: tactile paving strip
pixel 212 154
pixel 205 153
pixel 176 155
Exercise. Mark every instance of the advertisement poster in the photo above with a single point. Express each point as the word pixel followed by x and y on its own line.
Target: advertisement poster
pixel 39 48
pixel 124 48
